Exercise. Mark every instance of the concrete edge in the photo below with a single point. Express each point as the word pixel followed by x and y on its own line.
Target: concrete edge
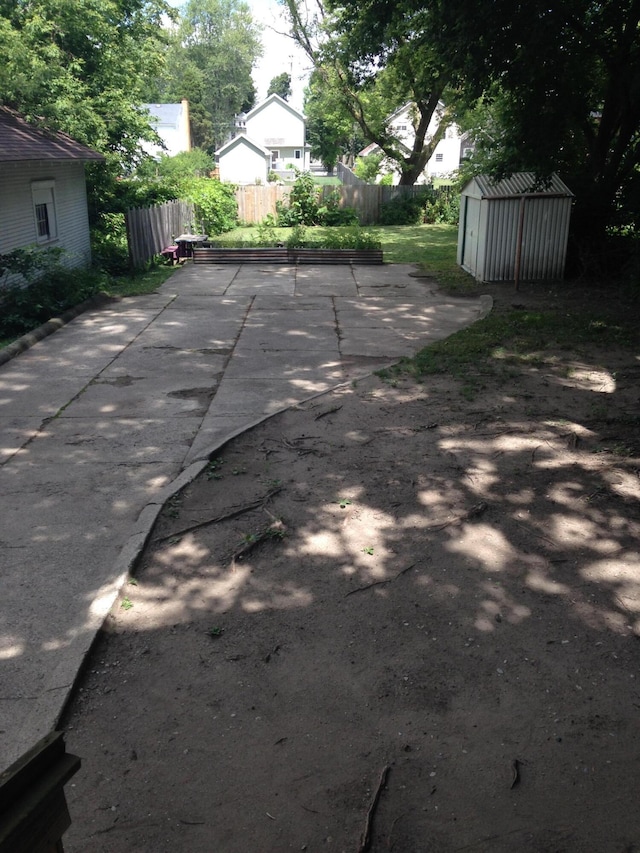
pixel 31 338
pixel 68 671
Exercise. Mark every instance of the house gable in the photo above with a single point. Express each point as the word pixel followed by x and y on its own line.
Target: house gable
pixel 243 161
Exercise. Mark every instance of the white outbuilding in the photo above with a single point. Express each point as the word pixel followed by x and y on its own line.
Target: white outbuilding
pixel 515 229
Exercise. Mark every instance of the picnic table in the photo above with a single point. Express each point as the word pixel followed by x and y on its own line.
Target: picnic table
pixel 186 242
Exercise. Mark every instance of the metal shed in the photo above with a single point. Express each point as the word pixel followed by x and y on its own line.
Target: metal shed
pixel 513 229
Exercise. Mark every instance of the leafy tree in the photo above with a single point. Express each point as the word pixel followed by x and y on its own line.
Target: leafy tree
pixel 332 132
pixel 280 85
pixel 559 81
pixel 187 164
pixel 378 69
pixel 80 66
pixel 367 168
pixel 210 61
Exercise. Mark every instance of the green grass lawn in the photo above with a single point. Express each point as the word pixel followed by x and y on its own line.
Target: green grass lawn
pixel 432 246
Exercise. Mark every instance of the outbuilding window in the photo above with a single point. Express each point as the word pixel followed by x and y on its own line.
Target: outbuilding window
pixel 44 210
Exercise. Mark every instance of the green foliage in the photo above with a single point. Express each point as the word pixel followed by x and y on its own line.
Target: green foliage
pixel 81 66
pixel 280 85
pixel 187 164
pixel 443 206
pixel 48 288
pixel 109 248
pixel 332 131
pixel 214 202
pixel 330 213
pixel 367 168
pixel 304 208
pixel 298 237
pixel 366 71
pixel 405 209
pixel 210 63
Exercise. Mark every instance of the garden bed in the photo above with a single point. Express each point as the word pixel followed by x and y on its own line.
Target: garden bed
pixel 284 255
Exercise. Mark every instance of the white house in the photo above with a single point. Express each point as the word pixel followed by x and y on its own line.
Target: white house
pixel 444 160
pixel 243 161
pixel 272 126
pixel 44 199
pixel 171 123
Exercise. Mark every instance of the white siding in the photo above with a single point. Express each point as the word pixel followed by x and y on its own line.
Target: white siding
pixel 17 222
pixel 275 126
pixel 242 164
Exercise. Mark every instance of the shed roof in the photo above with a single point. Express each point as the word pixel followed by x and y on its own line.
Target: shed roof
pixel 519 184
pixel 20 140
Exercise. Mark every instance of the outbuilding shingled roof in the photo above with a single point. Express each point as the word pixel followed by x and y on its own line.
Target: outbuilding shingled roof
pixel 20 140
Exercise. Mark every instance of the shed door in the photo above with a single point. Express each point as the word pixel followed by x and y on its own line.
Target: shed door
pixel 471 228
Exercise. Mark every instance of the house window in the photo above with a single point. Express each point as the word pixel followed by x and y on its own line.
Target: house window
pixel 439 158
pixel 275 156
pixel 297 154
pixel 44 210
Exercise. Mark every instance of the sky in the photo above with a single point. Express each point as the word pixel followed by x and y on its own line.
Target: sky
pixel 280 53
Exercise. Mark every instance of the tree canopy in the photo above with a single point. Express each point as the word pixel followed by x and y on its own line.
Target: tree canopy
pixel 212 54
pixel 375 70
pixel 81 65
pixel 280 85
pixel 559 82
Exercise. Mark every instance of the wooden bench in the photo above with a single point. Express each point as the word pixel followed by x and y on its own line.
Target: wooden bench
pixel 33 808
pixel 171 253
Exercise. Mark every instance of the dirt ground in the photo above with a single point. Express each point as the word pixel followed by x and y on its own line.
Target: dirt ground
pixel 391 619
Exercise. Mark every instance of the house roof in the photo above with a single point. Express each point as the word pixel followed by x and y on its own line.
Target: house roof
pixel 273 99
pixel 165 114
pixel 241 139
pixel 519 184
pixel 20 140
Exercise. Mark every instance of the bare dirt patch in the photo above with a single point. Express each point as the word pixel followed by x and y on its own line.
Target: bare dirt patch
pixel 391 619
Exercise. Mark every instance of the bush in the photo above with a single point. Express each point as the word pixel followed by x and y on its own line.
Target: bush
pixel 302 208
pixel 405 209
pixel 214 203
pixel 109 248
pixel 444 207
pixel 48 290
pixel 332 214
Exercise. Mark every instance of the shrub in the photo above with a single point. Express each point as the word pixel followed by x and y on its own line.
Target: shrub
pixel 332 214
pixel 302 208
pixel 48 290
pixel 444 207
pixel 405 209
pixel 109 248
pixel 214 203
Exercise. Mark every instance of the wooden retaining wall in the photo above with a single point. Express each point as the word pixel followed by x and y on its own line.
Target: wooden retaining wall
pixel 213 255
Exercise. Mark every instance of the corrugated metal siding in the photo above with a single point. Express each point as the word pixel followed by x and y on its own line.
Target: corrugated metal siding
pixel 545 228
pixel 518 184
pixel 17 223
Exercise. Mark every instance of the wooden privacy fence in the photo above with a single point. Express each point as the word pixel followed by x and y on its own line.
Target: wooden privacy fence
pixel 151 229
pixel 255 202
